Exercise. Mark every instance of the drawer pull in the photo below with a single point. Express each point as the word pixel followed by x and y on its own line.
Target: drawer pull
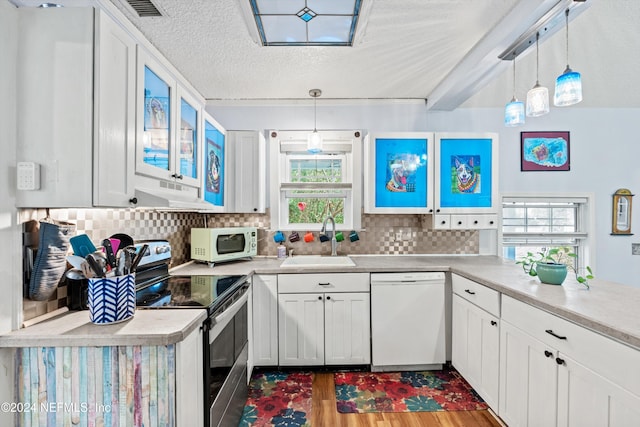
pixel 559 361
pixel 548 353
pixel 325 284
pixel 328 297
pixel 494 323
pixel 560 337
pixel 469 292
pixel 320 298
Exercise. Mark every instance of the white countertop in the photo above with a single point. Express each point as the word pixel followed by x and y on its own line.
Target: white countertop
pixel 148 327
pixel 608 308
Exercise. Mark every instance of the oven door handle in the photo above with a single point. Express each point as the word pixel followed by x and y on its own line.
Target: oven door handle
pixel 221 320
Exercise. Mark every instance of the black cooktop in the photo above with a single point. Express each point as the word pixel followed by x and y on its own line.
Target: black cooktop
pixel 189 292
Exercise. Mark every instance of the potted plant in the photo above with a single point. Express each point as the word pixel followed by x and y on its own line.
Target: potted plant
pixel 551 266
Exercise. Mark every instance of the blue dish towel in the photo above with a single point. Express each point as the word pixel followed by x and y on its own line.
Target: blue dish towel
pixel 51 259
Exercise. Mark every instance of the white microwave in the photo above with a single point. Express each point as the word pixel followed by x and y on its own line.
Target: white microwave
pixel 223 244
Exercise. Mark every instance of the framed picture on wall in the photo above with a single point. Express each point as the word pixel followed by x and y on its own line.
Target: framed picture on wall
pixel 544 151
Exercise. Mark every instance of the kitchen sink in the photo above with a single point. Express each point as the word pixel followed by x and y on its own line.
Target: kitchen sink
pixel 318 261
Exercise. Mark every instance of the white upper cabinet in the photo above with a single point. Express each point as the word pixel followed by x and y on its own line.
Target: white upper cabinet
pixel 247 179
pixel 55 104
pixel 398 171
pixel 466 181
pixel 168 124
pixel 114 114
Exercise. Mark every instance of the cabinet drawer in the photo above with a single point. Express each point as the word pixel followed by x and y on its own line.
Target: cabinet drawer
pixel 319 282
pixel 459 222
pixel 611 359
pixel 485 298
pixel 442 222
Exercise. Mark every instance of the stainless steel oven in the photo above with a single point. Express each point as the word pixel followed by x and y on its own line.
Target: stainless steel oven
pixel 225 343
pixel 227 354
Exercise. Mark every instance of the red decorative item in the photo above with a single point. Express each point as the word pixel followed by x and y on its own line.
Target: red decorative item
pixel 302 206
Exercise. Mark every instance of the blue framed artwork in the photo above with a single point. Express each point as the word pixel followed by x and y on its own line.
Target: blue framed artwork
pixel 466 173
pixel 544 151
pixel 214 164
pixel 400 177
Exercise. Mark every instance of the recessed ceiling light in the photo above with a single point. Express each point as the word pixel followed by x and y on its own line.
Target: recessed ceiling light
pixel 43 5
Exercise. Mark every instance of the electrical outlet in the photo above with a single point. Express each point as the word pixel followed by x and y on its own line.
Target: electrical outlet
pixel 635 249
pixel 403 234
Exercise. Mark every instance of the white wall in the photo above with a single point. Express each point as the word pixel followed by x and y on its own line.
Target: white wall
pixel 10 283
pixel 604 143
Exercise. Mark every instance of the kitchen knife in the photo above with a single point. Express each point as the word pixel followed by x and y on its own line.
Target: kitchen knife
pixel 108 250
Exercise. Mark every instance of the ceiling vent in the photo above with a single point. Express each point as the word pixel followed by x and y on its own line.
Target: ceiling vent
pixel 144 8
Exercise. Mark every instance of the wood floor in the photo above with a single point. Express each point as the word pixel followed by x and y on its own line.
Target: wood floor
pixel 324 413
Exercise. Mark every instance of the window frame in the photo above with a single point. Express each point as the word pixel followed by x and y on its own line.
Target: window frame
pixel 291 145
pixel 585 223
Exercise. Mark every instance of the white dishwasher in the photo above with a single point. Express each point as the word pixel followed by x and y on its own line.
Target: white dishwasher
pixel 407 321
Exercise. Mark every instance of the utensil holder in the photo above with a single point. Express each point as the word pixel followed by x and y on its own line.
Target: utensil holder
pixel 112 299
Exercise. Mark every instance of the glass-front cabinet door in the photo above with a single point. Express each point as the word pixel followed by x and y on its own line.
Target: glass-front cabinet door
pixel 215 164
pixel 188 146
pixel 168 129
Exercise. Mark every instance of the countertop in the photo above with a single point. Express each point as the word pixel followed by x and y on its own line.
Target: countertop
pixel 74 329
pixel 608 308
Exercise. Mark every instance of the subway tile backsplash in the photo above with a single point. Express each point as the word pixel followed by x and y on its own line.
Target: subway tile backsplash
pixel 381 234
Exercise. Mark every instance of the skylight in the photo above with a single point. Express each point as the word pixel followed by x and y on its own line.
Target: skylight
pixel 306 22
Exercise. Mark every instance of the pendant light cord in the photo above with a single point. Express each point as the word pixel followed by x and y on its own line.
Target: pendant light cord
pixel 514 76
pixel 537 60
pixel 315 114
pixel 566 14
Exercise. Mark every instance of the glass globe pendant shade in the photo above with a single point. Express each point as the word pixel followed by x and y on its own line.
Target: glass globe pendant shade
pixel 314 142
pixel 568 88
pixel 537 101
pixel 514 113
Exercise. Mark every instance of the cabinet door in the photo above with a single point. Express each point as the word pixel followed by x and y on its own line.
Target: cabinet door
pixel 265 320
pixel 54 104
pixel 155 146
pixel 301 329
pixel 466 173
pixel 216 172
pixel 459 337
pixel 115 115
pixel 247 187
pixel 528 380
pixel 587 399
pixel 475 348
pixel 188 165
pixel 347 328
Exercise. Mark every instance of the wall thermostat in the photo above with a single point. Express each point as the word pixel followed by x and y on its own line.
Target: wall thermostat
pixel 28 176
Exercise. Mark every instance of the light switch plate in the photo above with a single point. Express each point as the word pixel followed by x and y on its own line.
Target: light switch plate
pixel 28 176
pixel 635 249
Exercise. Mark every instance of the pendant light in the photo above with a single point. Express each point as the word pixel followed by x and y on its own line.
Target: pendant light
pixel 314 139
pixel 569 83
pixel 514 110
pixel 538 96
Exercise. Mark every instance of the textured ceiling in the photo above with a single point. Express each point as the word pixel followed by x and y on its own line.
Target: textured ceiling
pixel 409 49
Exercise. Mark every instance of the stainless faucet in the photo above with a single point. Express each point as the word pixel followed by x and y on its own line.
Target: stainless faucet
pixel 334 242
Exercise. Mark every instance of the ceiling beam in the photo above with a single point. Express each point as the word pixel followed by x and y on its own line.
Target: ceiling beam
pixel 482 64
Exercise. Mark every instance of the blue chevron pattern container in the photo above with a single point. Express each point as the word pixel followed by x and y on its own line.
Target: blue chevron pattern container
pixel 112 299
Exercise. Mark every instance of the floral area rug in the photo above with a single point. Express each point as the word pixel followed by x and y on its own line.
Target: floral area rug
pixel 426 391
pixel 280 399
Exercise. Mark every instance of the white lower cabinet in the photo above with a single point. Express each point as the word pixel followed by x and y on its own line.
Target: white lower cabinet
pixel 265 319
pixel 324 328
pixel 550 376
pixel 475 348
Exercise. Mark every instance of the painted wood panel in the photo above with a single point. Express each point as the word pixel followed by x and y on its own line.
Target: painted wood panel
pixel 96 386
